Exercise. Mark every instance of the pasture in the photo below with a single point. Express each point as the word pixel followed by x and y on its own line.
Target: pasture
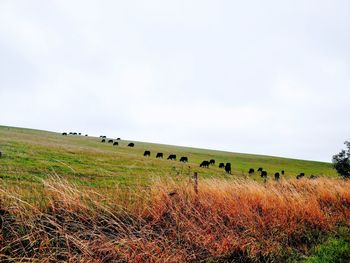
pixel 74 198
pixel 32 155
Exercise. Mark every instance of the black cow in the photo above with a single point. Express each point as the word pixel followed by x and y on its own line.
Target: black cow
pixel 277 176
pixel 301 175
pixel 118 139
pixel 103 136
pixel 131 144
pixel 212 161
pixel 205 164
pixel 103 140
pixel 86 135
pixel 228 168
pixel 263 174
pixel 159 155
pixel 172 193
pixel 147 153
pixel 0 154
pixel 282 172
pixel 251 171
pixel 260 169
pixel 79 133
pixel 184 159
pixel 74 133
pixel 64 133
pixel 172 157
pixel 221 165
pixel 115 143
pixel 71 133
pixel 110 141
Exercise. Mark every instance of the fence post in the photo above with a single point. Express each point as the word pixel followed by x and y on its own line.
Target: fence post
pixel 195 178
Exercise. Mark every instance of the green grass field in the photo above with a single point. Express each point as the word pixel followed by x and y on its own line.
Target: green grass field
pixel 56 190
pixel 31 155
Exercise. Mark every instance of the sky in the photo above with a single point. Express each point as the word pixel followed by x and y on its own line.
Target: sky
pixel 267 77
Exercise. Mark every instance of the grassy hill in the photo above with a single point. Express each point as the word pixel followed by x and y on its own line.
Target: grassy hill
pixel 31 155
pixel 75 199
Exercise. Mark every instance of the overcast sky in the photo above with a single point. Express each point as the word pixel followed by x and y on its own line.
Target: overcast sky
pixel 267 77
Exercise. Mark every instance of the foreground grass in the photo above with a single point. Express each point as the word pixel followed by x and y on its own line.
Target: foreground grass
pixel 336 249
pixel 228 220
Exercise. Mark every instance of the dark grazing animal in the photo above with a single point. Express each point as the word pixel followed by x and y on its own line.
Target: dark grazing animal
pixel 301 175
pixel 0 154
pixel 184 159
pixel 110 141
pixel 263 174
pixel 74 133
pixel 79 133
pixel 282 172
pixel 159 155
pixel 103 136
pixel 115 143
pixel 260 169
pixel 221 165
pixel 204 164
pixel 172 157
pixel 212 161
pixel 172 193
pixel 228 168
pixel 147 153
pixel 277 176
pixel 71 133
pixel 311 177
pixel 64 133
pixel 103 140
pixel 86 135
pixel 131 144
pixel 251 171
pixel 118 139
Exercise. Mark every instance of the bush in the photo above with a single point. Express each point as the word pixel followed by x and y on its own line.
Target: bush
pixel 341 161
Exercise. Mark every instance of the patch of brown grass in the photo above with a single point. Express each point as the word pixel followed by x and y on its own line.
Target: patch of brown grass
pixel 227 220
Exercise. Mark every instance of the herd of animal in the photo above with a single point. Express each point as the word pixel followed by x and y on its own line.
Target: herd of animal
pixel 73 133
pixel 184 159
pixel 173 157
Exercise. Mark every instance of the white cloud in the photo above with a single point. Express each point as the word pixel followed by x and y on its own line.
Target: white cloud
pixel 290 90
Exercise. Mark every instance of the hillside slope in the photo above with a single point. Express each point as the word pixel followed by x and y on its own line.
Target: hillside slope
pixel 30 155
pixel 112 204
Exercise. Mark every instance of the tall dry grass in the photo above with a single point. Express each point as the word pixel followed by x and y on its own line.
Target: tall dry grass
pixel 227 220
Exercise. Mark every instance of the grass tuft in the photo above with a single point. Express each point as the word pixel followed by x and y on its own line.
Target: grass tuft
pixel 227 220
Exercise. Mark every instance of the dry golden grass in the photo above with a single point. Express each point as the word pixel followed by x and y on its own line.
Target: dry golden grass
pixel 227 220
